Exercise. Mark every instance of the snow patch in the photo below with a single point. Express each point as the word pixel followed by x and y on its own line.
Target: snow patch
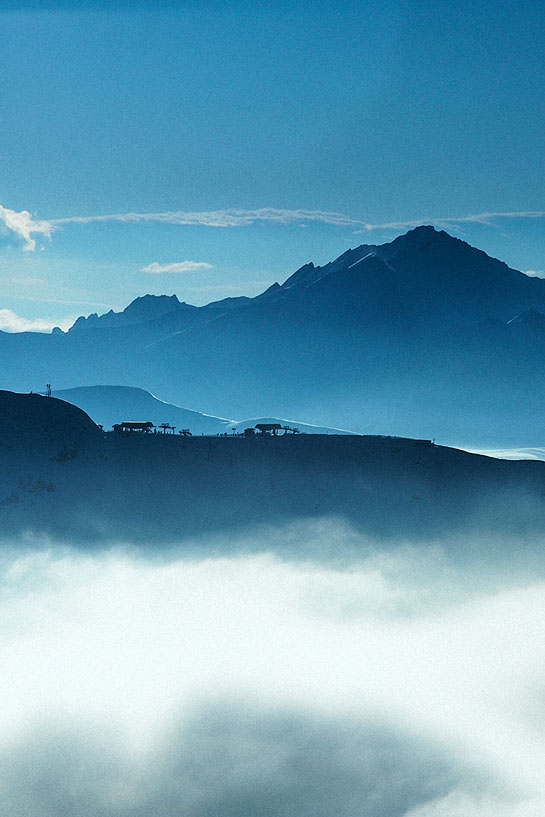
pixel 369 255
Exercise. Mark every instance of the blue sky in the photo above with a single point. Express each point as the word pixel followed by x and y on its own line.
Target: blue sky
pixel 232 142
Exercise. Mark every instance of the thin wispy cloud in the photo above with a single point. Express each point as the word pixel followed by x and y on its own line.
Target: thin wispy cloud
pixel 23 226
pixel 242 218
pixel 230 289
pixel 27 281
pixel 487 218
pixel 179 266
pixel 221 218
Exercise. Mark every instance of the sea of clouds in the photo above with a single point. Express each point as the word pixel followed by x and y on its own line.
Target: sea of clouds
pixel 391 684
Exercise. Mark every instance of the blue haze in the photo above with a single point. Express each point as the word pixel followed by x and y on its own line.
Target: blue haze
pixel 392 113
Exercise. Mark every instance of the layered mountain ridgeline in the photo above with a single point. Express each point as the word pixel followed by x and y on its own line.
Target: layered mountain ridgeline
pixel 151 316
pixel 423 336
pixel 113 404
pixel 63 478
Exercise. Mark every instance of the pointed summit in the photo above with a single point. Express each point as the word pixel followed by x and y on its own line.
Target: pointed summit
pixel 304 275
pixel 422 237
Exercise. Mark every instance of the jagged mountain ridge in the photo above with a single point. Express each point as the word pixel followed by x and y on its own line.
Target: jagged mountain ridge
pixel 433 274
pixel 156 315
pixel 415 337
pixel 142 309
pixel 429 271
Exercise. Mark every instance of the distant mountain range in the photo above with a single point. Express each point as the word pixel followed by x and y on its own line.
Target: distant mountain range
pixel 424 336
pixel 156 315
pixel 107 405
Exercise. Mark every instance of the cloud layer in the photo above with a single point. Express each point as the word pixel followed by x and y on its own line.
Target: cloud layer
pixel 11 322
pixel 178 266
pixel 230 687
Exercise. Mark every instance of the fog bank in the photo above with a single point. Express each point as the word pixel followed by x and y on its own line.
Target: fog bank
pixel 248 684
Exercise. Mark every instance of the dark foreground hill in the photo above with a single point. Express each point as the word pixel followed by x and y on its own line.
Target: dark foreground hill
pixel 62 477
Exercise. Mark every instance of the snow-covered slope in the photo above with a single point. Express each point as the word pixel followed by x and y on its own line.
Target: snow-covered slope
pixel 113 404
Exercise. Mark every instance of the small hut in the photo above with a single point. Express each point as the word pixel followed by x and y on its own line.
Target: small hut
pixel 269 428
pixel 134 425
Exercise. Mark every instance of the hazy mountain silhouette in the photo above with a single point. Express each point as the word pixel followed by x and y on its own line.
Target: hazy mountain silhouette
pixel 422 336
pixel 152 316
pixel 113 404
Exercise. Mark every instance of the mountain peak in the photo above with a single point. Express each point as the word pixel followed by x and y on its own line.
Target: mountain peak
pixel 420 237
pixel 152 302
pixel 422 230
pixel 143 308
pixel 304 275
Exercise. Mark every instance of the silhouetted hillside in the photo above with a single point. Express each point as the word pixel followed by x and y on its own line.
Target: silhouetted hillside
pixel 28 420
pixel 63 478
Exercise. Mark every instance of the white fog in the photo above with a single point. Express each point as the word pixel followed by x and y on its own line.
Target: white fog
pixel 396 684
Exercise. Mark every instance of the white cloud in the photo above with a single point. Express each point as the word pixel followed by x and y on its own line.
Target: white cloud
pixel 221 218
pixel 253 685
pixel 27 281
pixel 446 221
pixel 535 273
pixel 10 322
pixel 23 226
pixel 179 266
pixel 242 218
pixel 232 289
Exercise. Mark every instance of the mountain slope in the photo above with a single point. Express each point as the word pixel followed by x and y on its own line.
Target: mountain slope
pixel 152 316
pixel 113 404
